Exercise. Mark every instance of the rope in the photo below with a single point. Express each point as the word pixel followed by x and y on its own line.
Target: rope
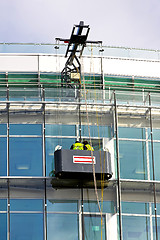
pixel 102 170
pixel 93 167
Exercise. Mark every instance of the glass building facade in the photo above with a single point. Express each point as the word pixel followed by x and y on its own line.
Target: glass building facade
pixel 37 114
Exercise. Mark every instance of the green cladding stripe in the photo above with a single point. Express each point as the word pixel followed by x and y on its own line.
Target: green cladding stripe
pixel 53 78
pixel 91 81
pixel 22 78
pixel 50 80
pixel 2 79
pixel 115 82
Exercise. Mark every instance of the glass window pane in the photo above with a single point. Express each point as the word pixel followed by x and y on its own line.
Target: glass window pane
pixel 3 204
pixel 96 131
pixel 3 156
pixel 26 226
pixel 60 130
pixel 51 143
pixel 127 132
pixel 136 227
pixel 3 129
pixel 23 94
pixel 94 227
pixel 135 207
pixel 62 226
pixel 92 206
pixel 25 129
pixel 26 205
pixel 25 156
pixel 62 205
pixel 156 134
pixel 132 155
pixel 154 228
pixel 156 151
pixel 158 208
pixel 3 226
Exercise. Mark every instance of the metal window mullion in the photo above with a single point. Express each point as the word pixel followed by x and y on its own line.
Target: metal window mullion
pixel 82 214
pixel 147 154
pixel 8 211
pixel 153 168
pixel 7 106
pixel 103 81
pixel 150 218
pixel 118 167
pixel 8 172
pixel 44 167
pixel 38 71
pixel 43 134
pixel 80 220
pixel 106 226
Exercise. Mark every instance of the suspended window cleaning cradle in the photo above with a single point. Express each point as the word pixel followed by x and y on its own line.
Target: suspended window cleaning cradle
pixel 77 164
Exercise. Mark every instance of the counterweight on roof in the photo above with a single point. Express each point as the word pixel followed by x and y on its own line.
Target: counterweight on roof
pixel 76 44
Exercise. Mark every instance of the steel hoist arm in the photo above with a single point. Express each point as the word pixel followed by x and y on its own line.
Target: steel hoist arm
pixel 76 43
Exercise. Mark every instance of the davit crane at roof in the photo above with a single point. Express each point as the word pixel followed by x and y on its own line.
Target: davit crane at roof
pixel 76 44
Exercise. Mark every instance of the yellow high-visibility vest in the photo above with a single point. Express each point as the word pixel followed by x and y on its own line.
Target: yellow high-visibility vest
pixel 77 146
pixel 89 148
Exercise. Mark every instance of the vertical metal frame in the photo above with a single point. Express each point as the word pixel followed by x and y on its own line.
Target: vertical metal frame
pixel 118 167
pixel 147 153
pixel 82 215
pixel 153 167
pixel 102 78
pixel 8 168
pixel 44 163
pixel 80 219
pixel 38 70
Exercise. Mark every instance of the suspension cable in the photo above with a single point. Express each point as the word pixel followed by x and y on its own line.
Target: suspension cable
pixel 102 165
pixel 93 167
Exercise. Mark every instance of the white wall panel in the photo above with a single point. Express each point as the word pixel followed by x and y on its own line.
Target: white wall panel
pixel 131 67
pixel 11 63
pixel 91 65
pixel 51 63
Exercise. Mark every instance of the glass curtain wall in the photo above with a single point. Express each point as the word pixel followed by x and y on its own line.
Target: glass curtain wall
pixel 29 134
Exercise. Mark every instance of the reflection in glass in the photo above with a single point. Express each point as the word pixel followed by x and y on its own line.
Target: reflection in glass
pixel 93 227
pixel 26 205
pixel 3 226
pixel 158 208
pixel 3 156
pixel 127 132
pixel 133 163
pixel 25 156
pixel 156 134
pixel 23 94
pixel 62 226
pixel 62 206
pixel 136 228
pixel 25 129
pixel 135 207
pixel 156 151
pixel 96 131
pixel 60 130
pixel 3 129
pixel 51 143
pixel 26 226
pixel 3 204
pixel 92 206
pixel 154 228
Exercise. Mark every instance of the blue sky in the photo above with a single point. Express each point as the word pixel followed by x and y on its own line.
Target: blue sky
pixel 127 23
